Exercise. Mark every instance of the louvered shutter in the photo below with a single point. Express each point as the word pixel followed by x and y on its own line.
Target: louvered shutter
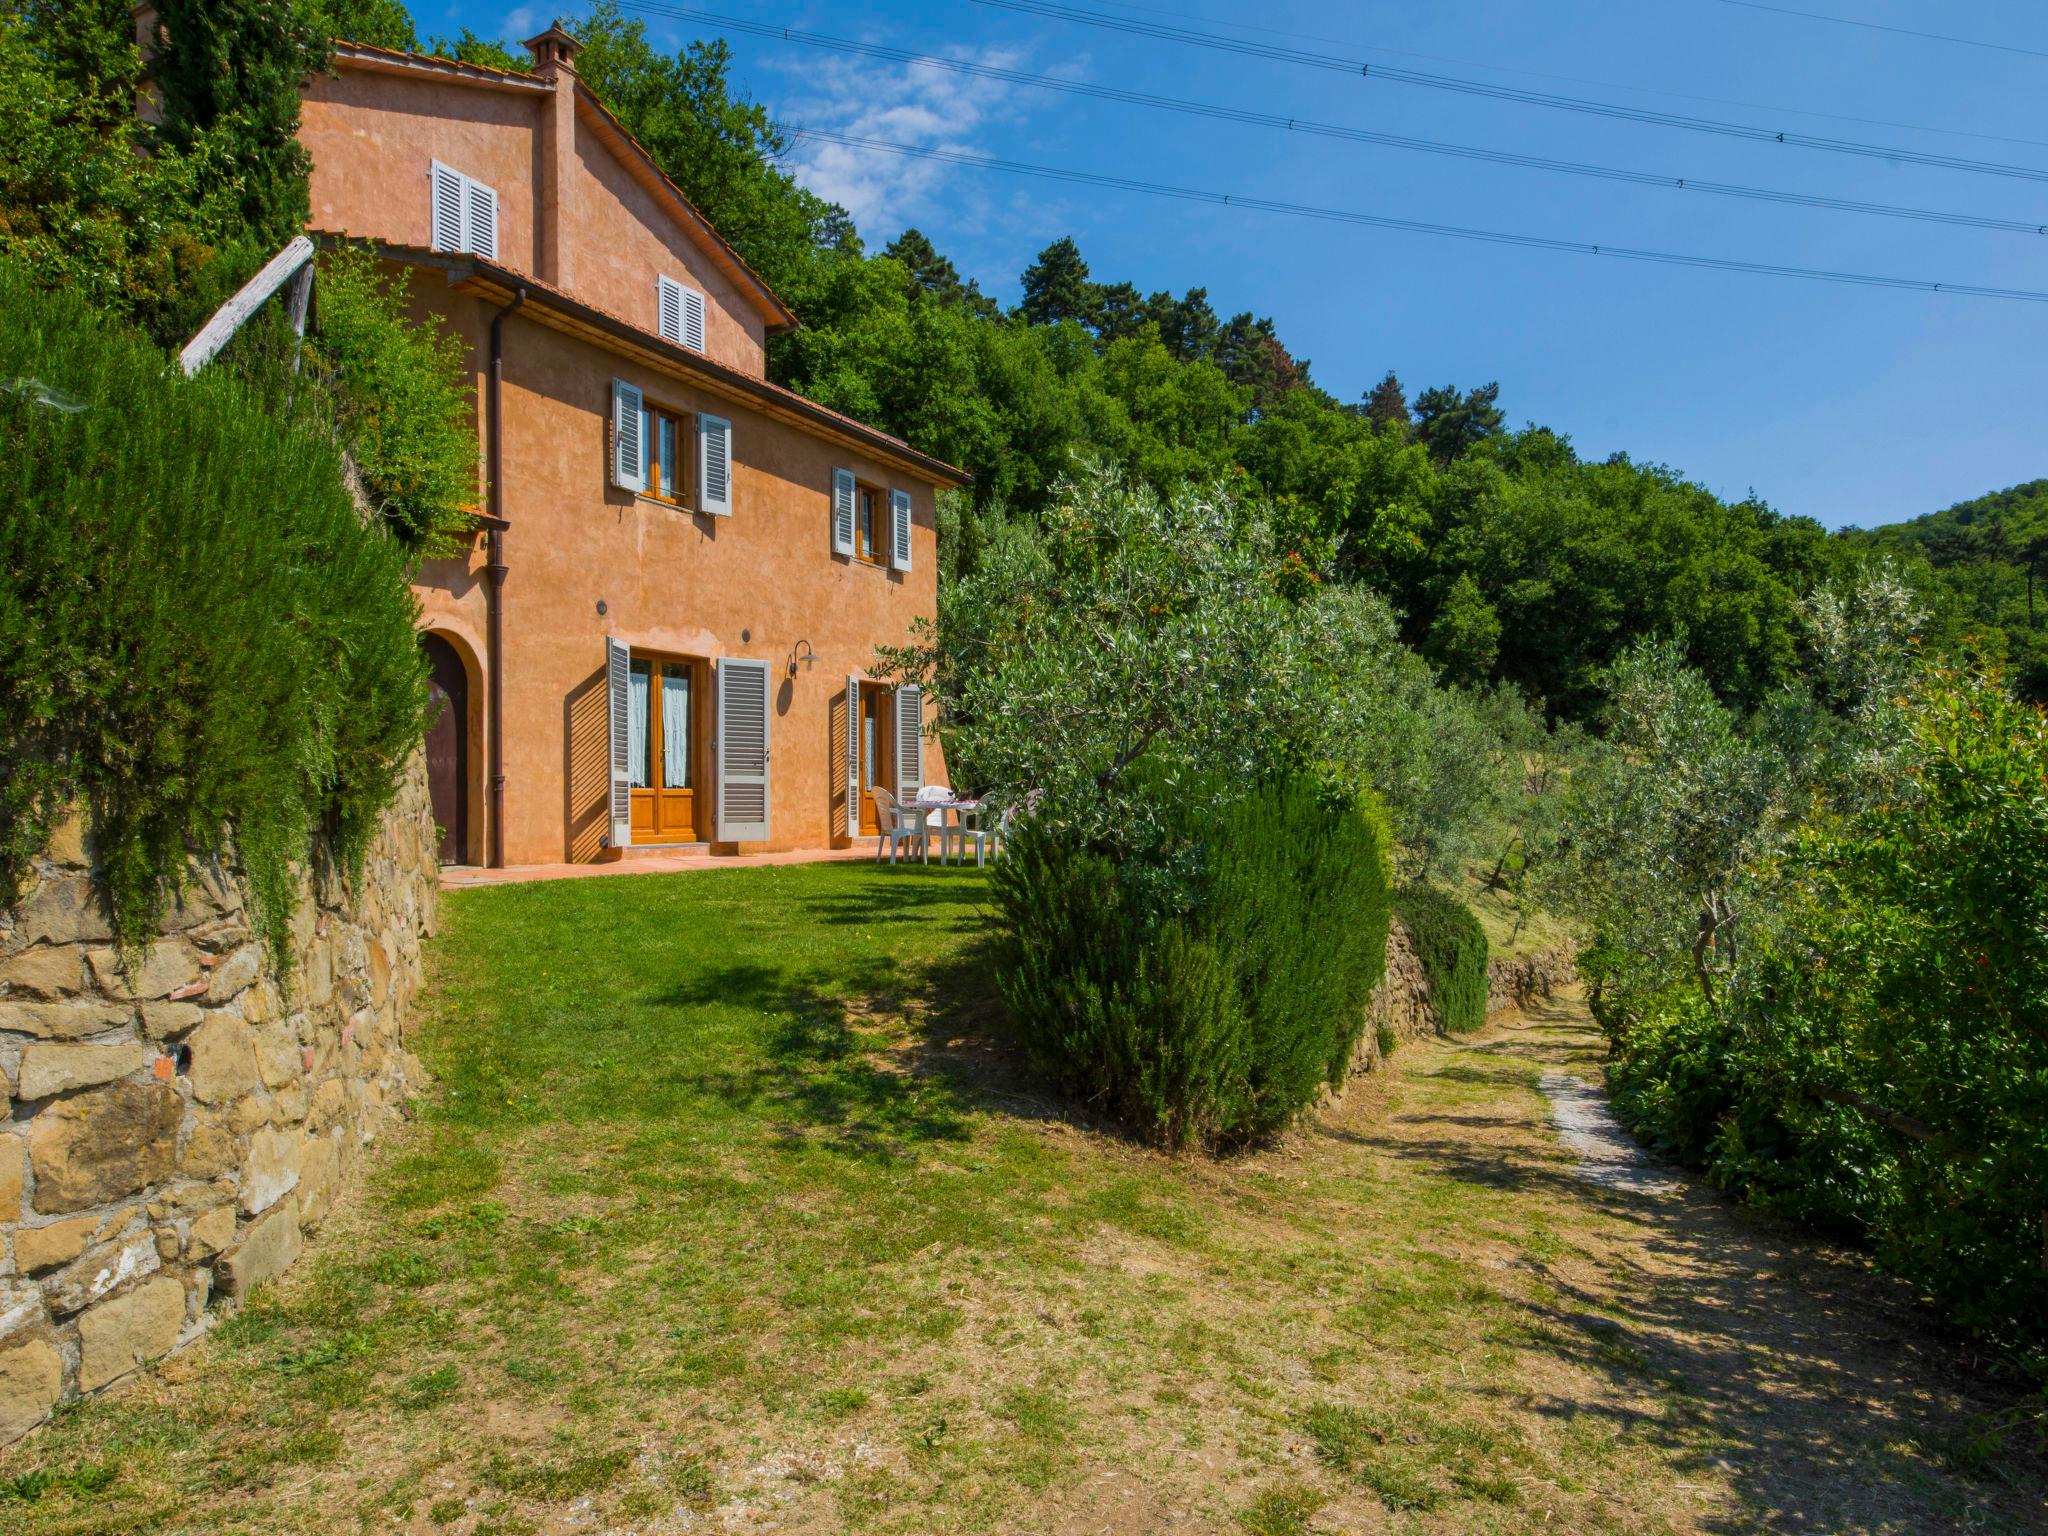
pixel 899 530
pixel 449 215
pixel 668 308
pixel 714 465
pixel 617 669
pixel 742 750
pixel 693 319
pixel 629 445
pixel 852 755
pixel 843 492
pixel 483 221
pixel 909 741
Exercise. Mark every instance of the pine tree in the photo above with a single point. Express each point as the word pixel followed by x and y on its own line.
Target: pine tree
pixel 1387 404
pixel 1452 424
pixel 1056 287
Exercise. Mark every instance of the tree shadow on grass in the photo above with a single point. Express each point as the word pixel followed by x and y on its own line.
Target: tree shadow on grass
pixel 1738 1345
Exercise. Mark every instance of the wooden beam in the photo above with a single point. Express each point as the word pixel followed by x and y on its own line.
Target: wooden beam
pixel 229 318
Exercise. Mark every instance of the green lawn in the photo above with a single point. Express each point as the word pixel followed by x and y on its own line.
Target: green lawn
pixel 728 1207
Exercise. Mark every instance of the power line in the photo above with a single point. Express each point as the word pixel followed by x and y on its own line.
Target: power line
pixel 1878 26
pixel 1605 85
pixel 1370 71
pixel 1413 226
pixel 1332 130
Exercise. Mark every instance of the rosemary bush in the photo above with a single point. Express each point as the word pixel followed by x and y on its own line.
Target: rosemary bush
pixel 201 641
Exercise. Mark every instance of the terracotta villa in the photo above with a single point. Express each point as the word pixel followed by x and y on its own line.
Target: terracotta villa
pixel 663 637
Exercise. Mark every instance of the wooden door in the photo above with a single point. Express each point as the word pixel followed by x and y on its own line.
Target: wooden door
pixel 874 753
pixel 447 746
pixel 665 741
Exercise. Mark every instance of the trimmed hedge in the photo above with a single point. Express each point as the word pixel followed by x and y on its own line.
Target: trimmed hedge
pixel 1452 948
pixel 1213 1004
pixel 200 639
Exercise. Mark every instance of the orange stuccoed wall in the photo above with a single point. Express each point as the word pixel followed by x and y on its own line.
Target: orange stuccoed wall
pixel 669 582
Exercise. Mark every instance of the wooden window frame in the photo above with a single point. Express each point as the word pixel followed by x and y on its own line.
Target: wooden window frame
pixel 653 413
pixel 875 552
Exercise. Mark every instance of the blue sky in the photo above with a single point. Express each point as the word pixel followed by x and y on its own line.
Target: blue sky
pixel 1847 404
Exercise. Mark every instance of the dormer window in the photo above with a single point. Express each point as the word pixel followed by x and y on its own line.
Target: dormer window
pixel 465 213
pixel 679 312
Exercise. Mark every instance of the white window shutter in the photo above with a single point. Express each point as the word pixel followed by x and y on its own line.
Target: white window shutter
pixel 450 216
pixel 668 308
pixel 909 741
pixel 693 319
pixel 852 754
pixel 617 667
pixel 743 714
pixel 843 492
pixel 483 221
pixel 629 443
pixel 714 465
pixel 899 530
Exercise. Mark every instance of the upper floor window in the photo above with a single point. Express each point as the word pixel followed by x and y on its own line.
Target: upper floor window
pixel 465 213
pixel 679 313
pixel 665 434
pixel 651 444
pixel 868 524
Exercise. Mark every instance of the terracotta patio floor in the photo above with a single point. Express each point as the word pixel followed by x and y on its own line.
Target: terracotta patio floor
pixel 460 876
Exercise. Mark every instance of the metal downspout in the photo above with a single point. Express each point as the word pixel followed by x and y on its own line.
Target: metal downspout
pixel 495 568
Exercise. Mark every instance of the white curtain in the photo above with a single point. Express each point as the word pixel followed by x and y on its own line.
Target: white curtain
pixel 638 697
pixel 675 728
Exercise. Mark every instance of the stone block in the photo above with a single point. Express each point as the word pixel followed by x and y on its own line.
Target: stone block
pixel 67 842
pixel 31 1377
pixel 269 1248
pixel 63 910
pixel 58 1243
pixel 223 1063
pixel 53 1069
pixel 166 1021
pixel 166 965
pixel 103 1144
pixel 129 1331
pixel 245 1115
pixel 319 1170
pixel 209 1151
pixel 235 973
pixel 46 971
pixel 12 1169
pixel 100 1271
pixel 73 1019
pixel 272 1169
pixel 277 1055
pixel 211 1233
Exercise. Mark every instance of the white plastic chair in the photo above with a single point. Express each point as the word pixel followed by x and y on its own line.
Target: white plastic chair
pixel 898 826
pixel 987 840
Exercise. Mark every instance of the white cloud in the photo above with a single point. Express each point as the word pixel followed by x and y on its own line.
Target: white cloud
pixel 904 104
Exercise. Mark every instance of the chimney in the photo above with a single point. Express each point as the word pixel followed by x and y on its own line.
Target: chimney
pixel 554 197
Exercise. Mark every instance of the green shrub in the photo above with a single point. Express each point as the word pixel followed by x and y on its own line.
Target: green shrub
pixel 200 639
pixel 1877 1063
pixel 1452 948
pixel 1213 1006
pixel 399 391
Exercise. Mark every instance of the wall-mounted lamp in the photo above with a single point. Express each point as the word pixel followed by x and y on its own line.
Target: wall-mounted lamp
pixel 801 652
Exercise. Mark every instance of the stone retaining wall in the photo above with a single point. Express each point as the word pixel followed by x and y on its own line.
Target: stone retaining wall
pixel 1517 982
pixel 168 1137
pixel 1401 1000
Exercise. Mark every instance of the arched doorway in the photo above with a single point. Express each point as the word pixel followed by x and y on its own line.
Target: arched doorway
pixel 448 746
